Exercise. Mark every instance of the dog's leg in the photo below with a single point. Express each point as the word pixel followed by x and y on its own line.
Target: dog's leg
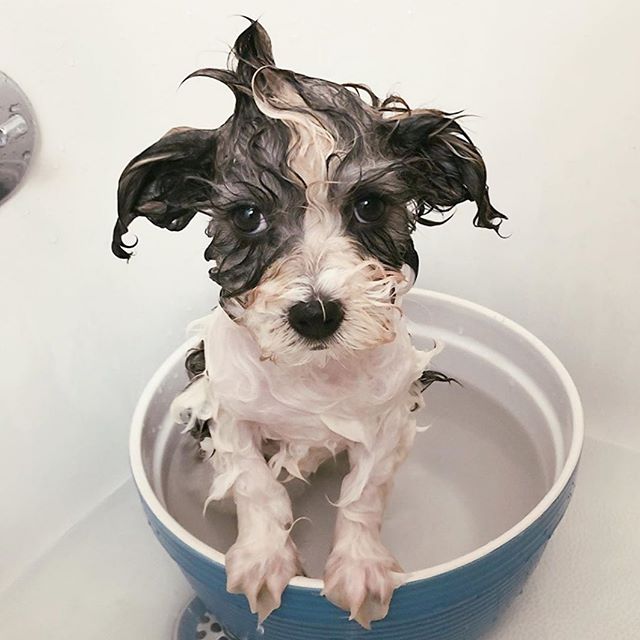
pixel 264 558
pixel 361 573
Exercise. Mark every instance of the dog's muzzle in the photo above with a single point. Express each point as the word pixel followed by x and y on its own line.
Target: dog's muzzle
pixel 316 319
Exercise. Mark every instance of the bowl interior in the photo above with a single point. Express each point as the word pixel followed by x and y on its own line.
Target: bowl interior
pixel 493 450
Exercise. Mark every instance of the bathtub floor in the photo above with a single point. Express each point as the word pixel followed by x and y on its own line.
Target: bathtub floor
pixel 109 579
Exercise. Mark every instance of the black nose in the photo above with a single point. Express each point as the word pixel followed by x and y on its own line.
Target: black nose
pixel 316 319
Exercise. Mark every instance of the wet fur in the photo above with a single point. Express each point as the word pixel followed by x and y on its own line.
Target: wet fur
pixel 304 151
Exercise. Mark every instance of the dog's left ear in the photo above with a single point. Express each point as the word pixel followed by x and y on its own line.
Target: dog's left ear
pixel 167 184
pixel 441 165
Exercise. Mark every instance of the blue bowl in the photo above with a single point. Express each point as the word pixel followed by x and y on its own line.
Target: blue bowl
pixel 498 503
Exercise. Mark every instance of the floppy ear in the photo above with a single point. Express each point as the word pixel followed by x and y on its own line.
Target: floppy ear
pixel 442 166
pixel 167 183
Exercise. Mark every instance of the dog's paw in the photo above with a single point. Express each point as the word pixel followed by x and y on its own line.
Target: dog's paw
pixel 261 572
pixel 362 586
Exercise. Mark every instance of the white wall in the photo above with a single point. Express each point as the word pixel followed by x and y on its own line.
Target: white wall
pixel 555 85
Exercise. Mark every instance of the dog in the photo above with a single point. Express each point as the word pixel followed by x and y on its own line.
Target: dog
pixel 313 190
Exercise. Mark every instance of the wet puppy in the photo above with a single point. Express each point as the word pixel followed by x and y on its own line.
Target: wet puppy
pixel 313 190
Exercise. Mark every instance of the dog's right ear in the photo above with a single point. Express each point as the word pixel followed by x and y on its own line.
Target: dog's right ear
pixel 167 184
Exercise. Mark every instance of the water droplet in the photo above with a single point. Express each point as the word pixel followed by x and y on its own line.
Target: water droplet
pixel 260 630
pixel 26 155
pixel 14 108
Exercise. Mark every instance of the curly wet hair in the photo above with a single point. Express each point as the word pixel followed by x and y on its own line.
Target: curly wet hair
pixel 420 163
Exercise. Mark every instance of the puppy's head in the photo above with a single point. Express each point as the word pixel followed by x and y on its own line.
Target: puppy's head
pixel 312 194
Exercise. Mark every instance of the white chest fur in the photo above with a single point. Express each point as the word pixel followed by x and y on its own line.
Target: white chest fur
pixel 345 396
pixel 327 405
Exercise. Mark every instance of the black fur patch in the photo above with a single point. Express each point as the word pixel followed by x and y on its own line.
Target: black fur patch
pixel 429 376
pixel 195 366
pixel 416 162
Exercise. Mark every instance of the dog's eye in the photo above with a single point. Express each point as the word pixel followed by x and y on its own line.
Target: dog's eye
pixel 369 209
pixel 249 219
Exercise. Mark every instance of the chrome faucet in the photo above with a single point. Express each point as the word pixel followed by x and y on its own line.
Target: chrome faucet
pixel 12 128
pixel 17 136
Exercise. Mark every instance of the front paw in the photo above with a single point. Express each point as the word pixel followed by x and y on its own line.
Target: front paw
pixel 261 572
pixel 362 586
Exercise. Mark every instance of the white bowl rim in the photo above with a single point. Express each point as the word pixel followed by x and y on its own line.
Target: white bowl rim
pixel 148 496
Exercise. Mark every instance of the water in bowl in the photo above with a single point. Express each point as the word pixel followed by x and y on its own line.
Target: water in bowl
pixel 469 478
